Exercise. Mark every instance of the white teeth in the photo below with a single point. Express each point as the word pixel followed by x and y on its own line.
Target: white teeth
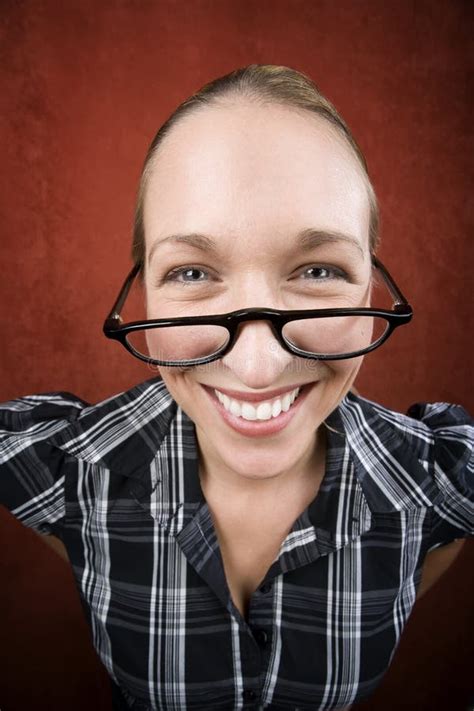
pixel 276 409
pixel 263 411
pixel 235 408
pixel 248 411
pixel 285 403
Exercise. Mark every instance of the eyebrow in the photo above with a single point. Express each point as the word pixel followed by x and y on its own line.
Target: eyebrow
pixel 305 240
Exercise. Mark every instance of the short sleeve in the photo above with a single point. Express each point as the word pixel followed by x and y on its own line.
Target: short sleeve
pixel 452 463
pixel 31 469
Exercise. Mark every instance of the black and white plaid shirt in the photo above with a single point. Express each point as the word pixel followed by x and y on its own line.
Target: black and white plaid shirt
pixel 118 483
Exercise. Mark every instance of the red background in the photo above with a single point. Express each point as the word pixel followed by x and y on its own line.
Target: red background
pixel 84 87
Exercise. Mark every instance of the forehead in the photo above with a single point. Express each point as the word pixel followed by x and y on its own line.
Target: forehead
pixel 256 173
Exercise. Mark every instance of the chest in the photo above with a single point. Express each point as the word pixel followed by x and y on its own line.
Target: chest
pixel 250 531
pixel 247 554
pixel 157 603
pixel 160 618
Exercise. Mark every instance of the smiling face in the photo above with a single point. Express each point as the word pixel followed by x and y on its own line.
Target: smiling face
pixel 256 206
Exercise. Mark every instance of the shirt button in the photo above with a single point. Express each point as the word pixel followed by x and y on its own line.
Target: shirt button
pixel 261 637
pixel 266 588
pixel 249 695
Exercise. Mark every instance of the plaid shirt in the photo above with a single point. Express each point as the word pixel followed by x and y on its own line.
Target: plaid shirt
pixel 118 483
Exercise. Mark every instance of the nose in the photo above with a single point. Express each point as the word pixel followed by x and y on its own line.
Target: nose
pixel 257 358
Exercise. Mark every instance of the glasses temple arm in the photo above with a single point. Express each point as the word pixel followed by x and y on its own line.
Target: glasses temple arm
pixel 393 288
pixel 114 314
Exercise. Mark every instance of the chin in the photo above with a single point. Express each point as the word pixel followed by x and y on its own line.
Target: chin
pixel 258 461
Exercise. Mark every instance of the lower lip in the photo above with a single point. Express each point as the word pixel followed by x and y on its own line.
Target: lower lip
pixel 259 428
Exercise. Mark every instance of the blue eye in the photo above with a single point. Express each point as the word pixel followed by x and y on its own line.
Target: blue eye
pixel 322 273
pixel 190 275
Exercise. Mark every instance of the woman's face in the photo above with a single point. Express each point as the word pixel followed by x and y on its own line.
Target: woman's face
pixel 250 180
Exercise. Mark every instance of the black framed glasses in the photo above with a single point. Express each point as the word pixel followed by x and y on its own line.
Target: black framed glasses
pixel 318 334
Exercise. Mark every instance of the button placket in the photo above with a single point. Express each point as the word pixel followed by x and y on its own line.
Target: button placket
pixel 249 695
pixel 259 615
pixel 261 637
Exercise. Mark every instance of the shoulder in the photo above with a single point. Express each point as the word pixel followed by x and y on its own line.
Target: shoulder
pixel 421 460
pixel 68 422
pixel 34 418
pixel 44 439
pixel 440 433
pixel 31 469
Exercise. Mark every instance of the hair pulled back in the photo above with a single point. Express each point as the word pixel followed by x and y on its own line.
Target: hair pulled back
pixel 264 84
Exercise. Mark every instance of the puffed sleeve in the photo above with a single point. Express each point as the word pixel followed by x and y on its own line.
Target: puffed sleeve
pixel 31 469
pixel 452 464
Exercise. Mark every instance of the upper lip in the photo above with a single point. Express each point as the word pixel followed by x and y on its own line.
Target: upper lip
pixel 256 397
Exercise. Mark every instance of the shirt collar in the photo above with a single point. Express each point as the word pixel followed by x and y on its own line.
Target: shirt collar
pixel 385 448
pixel 130 431
pixel 123 433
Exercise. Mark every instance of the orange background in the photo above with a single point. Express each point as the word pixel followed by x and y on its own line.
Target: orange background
pixel 84 87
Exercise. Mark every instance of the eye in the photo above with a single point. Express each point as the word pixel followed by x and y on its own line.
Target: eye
pixel 186 275
pixel 320 272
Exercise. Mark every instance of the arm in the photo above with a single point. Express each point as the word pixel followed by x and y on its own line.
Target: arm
pixel 54 543
pixel 436 563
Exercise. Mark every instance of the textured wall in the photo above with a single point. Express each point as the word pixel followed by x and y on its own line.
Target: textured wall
pixel 85 86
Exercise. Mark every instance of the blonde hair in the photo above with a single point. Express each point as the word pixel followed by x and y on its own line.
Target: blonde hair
pixel 265 84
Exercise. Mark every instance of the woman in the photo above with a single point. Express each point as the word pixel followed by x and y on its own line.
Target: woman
pixel 244 530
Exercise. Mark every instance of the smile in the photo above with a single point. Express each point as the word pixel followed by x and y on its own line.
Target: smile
pixel 265 410
pixel 260 418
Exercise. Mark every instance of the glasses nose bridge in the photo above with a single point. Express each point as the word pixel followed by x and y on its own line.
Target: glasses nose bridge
pixel 258 316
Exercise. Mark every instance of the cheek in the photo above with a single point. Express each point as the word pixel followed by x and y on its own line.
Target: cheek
pixel 148 302
pixel 344 372
pixel 177 383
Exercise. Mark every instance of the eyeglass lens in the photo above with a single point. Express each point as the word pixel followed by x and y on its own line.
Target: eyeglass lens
pixel 314 336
